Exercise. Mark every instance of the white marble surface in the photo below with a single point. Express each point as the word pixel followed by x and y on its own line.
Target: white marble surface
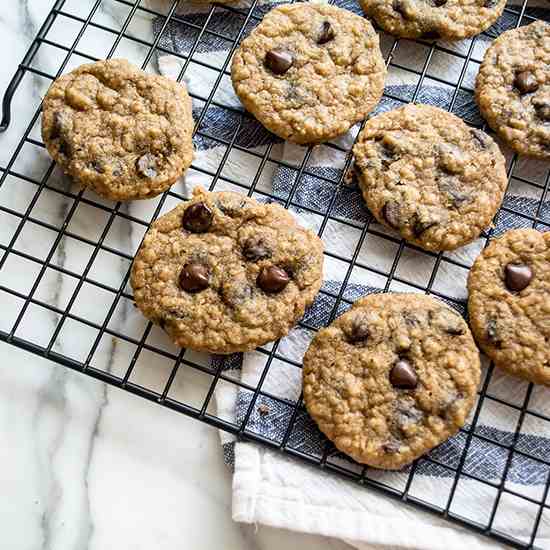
pixel 83 465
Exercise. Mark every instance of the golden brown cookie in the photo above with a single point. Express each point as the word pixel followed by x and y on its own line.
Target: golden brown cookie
pixel 224 273
pixel 426 174
pixel 122 132
pixel 432 19
pixel 509 303
pixel 513 88
pixel 391 378
pixel 308 72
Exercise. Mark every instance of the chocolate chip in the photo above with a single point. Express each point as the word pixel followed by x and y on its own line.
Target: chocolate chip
pixel 517 276
pixel 96 166
pixel 451 187
pixel 542 108
pixel 254 250
pixel 278 60
pixel 526 82
pixel 390 213
pixel 272 279
pixel 402 7
pixel 406 414
pixel 439 3
pixel 358 331
pixel 61 125
pixel 482 140
pixel 197 218
pixel 146 165
pixel 492 332
pixel 403 376
pixel 65 148
pixel 326 34
pixel 448 321
pixel 194 277
pixel 419 225
pixel 235 293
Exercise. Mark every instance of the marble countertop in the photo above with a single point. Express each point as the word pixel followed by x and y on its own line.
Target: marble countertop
pixel 84 465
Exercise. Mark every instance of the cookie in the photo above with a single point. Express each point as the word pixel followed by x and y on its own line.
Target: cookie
pixel 122 132
pixel 426 174
pixel 433 19
pixel 391 378
pixel 513 88
pixel 509 303
pixel 223 273
pixel 308 72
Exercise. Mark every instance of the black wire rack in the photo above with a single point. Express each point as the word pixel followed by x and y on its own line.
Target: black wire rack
pixel 36 247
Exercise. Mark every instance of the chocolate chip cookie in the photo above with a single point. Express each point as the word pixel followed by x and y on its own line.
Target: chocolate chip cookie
pixel 122 132
pixel 513 88
pixel 308 72
pixel 433 19
pixel 391 378
pixel 224 273
pixel 426 174
pixel 509 303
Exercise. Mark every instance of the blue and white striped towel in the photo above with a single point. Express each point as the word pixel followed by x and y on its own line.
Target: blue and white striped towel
pixel 269 488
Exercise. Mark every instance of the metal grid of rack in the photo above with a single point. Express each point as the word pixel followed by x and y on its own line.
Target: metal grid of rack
pixel 143 342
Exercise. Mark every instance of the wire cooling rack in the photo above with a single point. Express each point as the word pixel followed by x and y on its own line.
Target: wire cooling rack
pixel 36 253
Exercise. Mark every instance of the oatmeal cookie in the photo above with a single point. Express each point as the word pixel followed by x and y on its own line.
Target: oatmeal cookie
pixel 433 19
pixel 426 174
pixel 224 273
pixel 308 72
pixel 391 378
pixel 513 88
pixel 509 303
pixel 122 132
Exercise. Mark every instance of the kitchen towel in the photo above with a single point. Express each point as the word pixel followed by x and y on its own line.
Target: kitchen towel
pixel 268 487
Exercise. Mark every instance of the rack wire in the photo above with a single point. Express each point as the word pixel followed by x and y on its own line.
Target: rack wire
pixel 182 380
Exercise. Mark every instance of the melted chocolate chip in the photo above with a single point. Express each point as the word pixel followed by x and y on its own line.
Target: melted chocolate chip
pixel 401 7
pixel 481 139
pixel 278 60
pixel 406 414
pixel 358 331
pixel 96 166
pixel 403 376
pixel 490 3
pixel 517 276
pixel 272 279
pixel 451 187
pixel 326 34
pixel 420 225
pixel 236 293
pixel 146 165
pixel 61 124
pixel 439 3
pixel 254 250
pixel 390 213
pixel 542 108
pixel 197 218
pixel 194 277
pixel 64 148
pixel 526 82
